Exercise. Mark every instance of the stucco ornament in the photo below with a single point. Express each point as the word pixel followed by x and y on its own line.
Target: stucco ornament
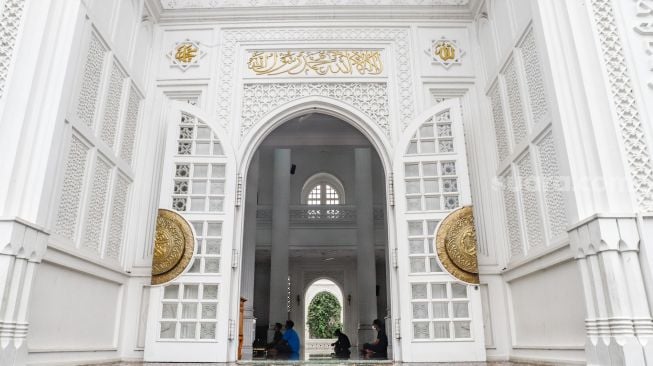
pixel 185 54
pixel 456 247
pixel 445 52
pixel 174 246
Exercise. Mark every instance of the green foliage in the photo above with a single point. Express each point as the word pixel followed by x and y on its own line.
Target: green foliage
pixel 323 316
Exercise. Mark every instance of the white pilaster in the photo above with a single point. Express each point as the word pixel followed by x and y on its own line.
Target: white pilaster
pixel 365 266
pixel 619 325
pixel 280 235
pixel 249 253
pixel 25 247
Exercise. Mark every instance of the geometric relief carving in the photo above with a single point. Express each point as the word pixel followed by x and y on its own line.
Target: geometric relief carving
pixel 112 105
pixel 259 99
pixel 501 136
pixel 512 216
pixel 71 191
pixel 530 204
pixel 555 203
pixel 90 83
pixel 118 211
pixel 129 128
pixel 401 47
pixel 96 205
pixel 515 104
pixel 632 132
pixel 10 18
pixel 534 78
pixel 644 27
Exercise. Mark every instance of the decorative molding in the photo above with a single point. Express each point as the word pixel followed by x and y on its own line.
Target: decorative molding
pixel 10 21
pixel 185 54
pixel 400 38
pixel 198 4
pixel 645 29
pixel 260 99
pixel 638 155
pixel 445 52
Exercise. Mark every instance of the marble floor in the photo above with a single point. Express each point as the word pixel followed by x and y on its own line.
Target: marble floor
pixel 326 363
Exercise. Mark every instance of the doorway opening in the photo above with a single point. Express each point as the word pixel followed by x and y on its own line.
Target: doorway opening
pixel 323 315
pixel 315 218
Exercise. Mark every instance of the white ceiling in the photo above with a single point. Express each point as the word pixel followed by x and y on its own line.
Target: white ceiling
pixel 316 129
pixel 216 4
pixel 240 11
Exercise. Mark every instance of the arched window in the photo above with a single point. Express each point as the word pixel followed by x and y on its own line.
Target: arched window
pixel 323 189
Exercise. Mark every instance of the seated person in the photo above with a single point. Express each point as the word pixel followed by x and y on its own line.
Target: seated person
pixel 379 348
pixel 276 339
pixel 289 345
pixel 341 346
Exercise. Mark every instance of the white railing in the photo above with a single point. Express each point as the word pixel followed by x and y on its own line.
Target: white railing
pixel 319 214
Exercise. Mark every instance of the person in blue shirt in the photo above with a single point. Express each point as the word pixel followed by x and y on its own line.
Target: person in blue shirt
pixel 290 342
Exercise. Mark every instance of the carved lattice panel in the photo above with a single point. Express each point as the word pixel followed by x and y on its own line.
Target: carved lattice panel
pixel 534 78
pixel 551 184
pixel 515 103
pixel 97 205
pixel 369 98
pixel 10 21
pixel 71 192
pixel 90 84
pixel 112 105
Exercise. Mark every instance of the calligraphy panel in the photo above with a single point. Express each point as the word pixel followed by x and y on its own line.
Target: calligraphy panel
pixel 315 63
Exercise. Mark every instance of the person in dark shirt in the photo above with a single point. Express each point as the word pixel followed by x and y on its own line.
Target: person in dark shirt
pixel 342 345
pixel 276 339
pixel 379 348
pixel 288 347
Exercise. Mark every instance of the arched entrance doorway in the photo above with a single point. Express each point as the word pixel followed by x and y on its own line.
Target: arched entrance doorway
pixel 341 229
pixel 324 312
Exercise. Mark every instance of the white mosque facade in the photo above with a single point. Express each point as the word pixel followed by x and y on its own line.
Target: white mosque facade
pixel 323 143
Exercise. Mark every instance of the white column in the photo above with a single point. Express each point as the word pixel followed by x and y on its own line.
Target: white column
pixel 365 266
pixel 249 253
pixel 279 254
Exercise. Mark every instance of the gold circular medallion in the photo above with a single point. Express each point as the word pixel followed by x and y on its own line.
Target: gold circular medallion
pixel 173 246
pixel 455 241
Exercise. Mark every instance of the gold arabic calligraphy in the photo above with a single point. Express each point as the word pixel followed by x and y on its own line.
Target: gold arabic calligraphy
pixel 323 62
pixel 185 53
pixel 445 50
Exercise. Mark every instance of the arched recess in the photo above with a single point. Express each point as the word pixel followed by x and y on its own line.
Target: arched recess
pixel 186 319
pixel 431 179
pixel 316 104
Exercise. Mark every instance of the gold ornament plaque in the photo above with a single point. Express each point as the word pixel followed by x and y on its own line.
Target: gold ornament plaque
pixel 174 245
pixel 455 245
pixel 318 62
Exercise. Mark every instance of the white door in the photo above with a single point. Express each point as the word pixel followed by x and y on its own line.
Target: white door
pixel 441 319
pixel 188 318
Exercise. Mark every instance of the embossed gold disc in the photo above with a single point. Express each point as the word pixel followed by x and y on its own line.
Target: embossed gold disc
pixel 455 244
pixel 173 246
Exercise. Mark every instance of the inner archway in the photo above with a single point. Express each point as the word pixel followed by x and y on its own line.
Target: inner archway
pixel 323 314
pixel 292 240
